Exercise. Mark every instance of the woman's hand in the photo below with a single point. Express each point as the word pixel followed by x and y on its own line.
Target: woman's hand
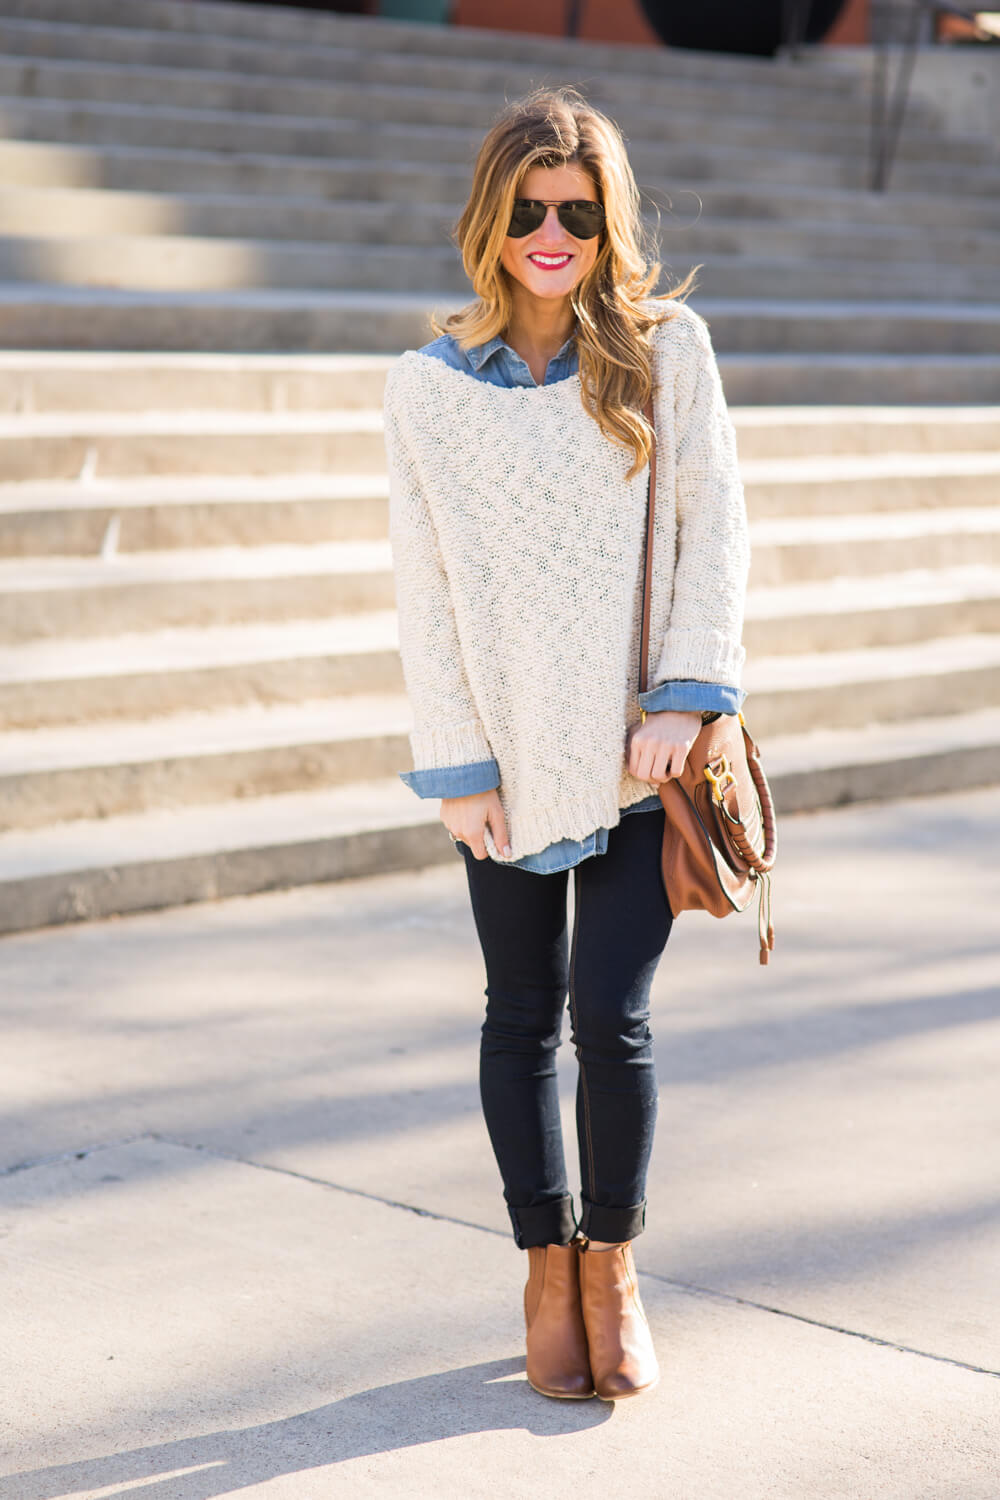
pixel 466 817
pixel 658 749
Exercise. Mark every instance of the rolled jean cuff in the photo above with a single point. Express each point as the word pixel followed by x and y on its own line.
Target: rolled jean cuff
pixel 612 1224
pixel 544 1223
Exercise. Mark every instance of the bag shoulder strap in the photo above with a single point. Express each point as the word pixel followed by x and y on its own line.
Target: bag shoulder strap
pixel 647 578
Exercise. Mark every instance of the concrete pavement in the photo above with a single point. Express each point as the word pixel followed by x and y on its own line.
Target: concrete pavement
pixel 253 1239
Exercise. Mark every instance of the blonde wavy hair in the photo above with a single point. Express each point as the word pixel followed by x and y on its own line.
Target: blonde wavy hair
pixel 555 127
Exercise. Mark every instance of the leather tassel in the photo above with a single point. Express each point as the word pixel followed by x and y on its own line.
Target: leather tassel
pixel 765 932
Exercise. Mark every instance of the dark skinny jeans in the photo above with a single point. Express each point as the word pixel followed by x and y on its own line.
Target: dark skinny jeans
pixel 620 928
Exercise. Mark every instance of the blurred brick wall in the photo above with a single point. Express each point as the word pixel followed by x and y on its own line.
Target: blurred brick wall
pixel 610 20
pixel 601 20
pixel 851 28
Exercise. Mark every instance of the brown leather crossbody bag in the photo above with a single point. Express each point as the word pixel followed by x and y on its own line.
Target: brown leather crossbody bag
pixel 720 833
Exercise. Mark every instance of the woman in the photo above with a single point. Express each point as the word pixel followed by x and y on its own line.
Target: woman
pixel 518 460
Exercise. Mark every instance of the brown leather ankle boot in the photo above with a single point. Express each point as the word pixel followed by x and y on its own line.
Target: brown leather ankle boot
pixel 557 1340
pixel 622 1359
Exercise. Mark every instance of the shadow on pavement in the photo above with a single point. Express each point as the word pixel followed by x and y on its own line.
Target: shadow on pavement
pixel 475 1398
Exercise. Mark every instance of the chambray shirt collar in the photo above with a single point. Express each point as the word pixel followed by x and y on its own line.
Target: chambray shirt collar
pixel 480 353
pixel 559 365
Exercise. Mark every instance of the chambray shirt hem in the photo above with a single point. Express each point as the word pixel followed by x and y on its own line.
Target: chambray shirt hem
pixel 565 853
pixel 454 781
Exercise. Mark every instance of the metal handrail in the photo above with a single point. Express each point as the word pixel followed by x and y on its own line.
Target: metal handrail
pixel 794 21
pixel 889 105
pixel 889 101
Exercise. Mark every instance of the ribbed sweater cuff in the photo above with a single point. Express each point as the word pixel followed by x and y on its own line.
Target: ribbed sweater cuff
pixel 449 745
pixel 707 655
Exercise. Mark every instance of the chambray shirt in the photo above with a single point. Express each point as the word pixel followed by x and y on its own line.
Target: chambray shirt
pixel 496 362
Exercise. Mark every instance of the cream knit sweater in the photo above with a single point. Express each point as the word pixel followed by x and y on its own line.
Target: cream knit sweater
pixel 517 552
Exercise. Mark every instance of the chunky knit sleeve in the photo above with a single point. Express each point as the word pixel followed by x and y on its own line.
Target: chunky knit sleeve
pixel 704 634
pixel 447 730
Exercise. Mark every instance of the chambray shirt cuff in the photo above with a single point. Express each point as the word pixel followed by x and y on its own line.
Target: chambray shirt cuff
pixel 454 781
pixel 687 695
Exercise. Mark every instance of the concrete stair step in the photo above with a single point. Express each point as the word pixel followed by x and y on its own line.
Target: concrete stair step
pixel 43 596
pixel 95 868
pixel 144 513
pixel 858 612
pixel 148 673
pixel 380 59
pixel 41 518
pixel 842 210
pixel 838 690
pixel 208 586
pixel 72 214
pixel 858 433
pixel 180 262
pixel 70 384
pixel 78 211
pixel 124 168
pixel 268 449
pixel 99 318
pixel 88 869
pixel 33 381
pixel 176 262
pixel 802 204
pixel 742 274
pixel 53 445
pixel 395 89
pixel 89 61
pixel 88 771
pixel 819 379
pixel 796 549
pixel 289 26
pixel 111 121
pixel 753 325
pixel 382 86
pixel 64 318
pixel 867 482
pixel 148 169
pixel 918 757
pixel 144 675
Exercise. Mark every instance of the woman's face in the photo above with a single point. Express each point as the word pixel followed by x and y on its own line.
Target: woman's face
pixel 550 262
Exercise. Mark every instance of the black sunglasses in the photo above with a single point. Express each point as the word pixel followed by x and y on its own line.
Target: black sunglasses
pixel 581 219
